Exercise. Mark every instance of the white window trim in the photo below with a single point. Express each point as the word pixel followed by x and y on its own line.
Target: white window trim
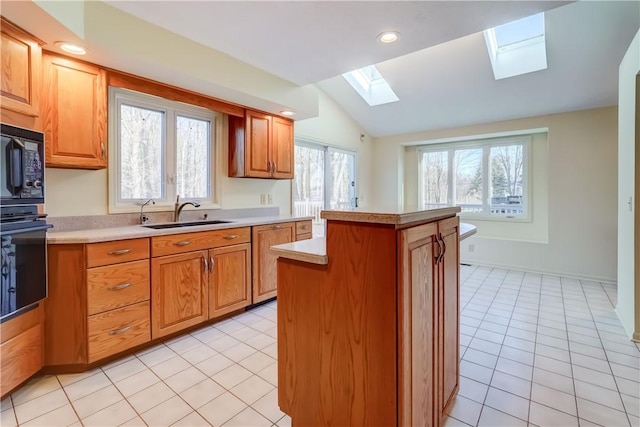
pixel 171 109
pixel 525 140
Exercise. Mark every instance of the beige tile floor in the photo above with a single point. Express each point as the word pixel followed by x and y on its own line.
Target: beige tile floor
pixel 536 350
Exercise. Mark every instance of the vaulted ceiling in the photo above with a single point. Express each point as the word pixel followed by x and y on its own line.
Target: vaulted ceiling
pixel 439 68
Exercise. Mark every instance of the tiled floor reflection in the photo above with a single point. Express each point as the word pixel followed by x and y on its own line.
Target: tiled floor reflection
pixel 536 350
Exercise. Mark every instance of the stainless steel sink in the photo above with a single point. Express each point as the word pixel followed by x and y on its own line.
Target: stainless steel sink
pixel 186 224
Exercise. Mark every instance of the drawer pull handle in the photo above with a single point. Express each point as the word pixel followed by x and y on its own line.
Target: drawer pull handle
pixel 119 287
pixel 120 252
pixel 121 330
pixel 183 243
pixel 231 237
pixel 275 227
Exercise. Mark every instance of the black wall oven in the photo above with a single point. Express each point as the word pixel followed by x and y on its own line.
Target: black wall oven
pixel 23 274
pixel 21 166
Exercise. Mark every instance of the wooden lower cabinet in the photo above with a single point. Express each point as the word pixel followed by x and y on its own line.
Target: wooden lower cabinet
pixel 178 292
pixel 229 279
pixel 117 330
pixel 98 301
pixel 21 350
pixel 429 330
pixel 264 262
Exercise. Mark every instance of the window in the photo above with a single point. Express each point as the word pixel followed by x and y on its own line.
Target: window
pixel 160 149
pixel 486 178
pixel 517 47
pixel 371 86
pixel 325 178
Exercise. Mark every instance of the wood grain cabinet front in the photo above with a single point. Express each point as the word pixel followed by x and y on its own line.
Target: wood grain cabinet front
pixel 265 283
pixel 178 292
pixel 98 302
pixel 21 70
pixel 74 113
pixel 229 279
pixel 304 230
pixel 260 146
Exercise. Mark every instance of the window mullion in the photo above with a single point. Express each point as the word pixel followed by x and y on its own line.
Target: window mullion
pixel 486 179
pixel 170 161
pixel 451 183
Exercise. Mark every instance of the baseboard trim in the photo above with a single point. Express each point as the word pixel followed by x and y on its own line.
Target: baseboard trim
pixel 551 273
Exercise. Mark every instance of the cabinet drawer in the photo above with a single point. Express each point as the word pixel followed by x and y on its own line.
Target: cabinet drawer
pixel 20 358
pixel 117 330
pixel 188 242
pixel 115 286
pixel 305 236
pixel 117 251
pixel 303 227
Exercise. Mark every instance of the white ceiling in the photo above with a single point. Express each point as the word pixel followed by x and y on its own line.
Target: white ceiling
pixel 439 68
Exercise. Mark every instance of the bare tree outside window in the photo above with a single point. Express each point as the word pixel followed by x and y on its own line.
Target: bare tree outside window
pixel 488 176
pixel 468 179
pixel 435 178
pixel 163 149
pixel 193 157
pixel 141 154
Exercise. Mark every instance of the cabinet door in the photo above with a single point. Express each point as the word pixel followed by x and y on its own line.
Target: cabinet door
pixel 264 262
pixel 230 279
pixel 178 292
pixel 74 114
pixel 449 311
pixel 282 148
pixel 21 60
pixel 258 136
pixel 418 321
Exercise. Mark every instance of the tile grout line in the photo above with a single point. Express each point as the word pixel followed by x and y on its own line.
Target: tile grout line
pixel 597 330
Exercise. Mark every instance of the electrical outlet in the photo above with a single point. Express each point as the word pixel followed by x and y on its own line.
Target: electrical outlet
pixel 269 199
pixel 263 199
pixel 472 247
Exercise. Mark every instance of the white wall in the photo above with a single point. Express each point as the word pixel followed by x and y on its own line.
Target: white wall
pixel 334 127
pixel 628 308
pixel 581 157
pixel 72 192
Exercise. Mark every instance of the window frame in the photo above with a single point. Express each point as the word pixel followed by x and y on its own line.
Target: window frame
pixel 171 109
pixel 486 144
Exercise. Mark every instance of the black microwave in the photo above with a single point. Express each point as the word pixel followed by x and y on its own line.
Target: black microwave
pixel 21 163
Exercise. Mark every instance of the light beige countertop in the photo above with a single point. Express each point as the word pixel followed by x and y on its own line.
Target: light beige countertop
pixel 390 215
pixel 137 231
pixel 314 251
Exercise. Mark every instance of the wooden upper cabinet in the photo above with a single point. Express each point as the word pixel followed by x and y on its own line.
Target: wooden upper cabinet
pixel 74 113
pixel 21 70
pixel 260 146
pixel 282 148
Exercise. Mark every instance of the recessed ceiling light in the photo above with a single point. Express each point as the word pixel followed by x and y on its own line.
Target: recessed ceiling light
pixel 287 113
pixel 71 48
pixel 388 37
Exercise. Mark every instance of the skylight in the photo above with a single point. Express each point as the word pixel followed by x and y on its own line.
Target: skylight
pixel 517 47
pixel 371 86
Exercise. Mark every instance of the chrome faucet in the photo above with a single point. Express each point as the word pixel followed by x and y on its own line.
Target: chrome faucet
pixel 178 208
pixel 143 218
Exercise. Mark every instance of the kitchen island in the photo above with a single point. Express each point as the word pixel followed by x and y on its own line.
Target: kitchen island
pixel 368 324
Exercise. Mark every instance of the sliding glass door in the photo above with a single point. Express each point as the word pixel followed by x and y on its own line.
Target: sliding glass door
pixel 325 178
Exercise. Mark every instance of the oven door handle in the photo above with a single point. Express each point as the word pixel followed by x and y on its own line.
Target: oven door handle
pixel 4 232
